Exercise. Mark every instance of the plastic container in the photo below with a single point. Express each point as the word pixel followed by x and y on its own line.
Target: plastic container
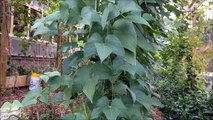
pixel 35 81
pixel 5 114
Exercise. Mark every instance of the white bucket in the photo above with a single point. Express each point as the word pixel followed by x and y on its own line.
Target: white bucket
pixel 35 82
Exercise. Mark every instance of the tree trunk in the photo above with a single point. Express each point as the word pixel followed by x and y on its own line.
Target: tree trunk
pixel 3 45
pixel 193 75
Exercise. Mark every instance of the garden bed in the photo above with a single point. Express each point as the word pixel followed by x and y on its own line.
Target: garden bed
pixel 17 81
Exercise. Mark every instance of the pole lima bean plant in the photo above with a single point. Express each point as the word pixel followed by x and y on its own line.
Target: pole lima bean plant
pixel 110 69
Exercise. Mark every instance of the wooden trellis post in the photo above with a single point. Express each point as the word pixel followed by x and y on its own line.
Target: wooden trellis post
pixel 58 54
pixel 3 44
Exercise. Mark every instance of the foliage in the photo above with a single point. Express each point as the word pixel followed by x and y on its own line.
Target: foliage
pixel 119 38
pixel 181 63
pixel 9 107
pixel 183 103
pixel 15 69
pixel 22 70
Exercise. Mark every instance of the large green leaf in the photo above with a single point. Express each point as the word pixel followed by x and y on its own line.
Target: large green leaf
pixel 75 5
pixel 119 88
pixel 46 76
pixel 114 43
pixel 67 95
pixel 31 97
pixel 53 74
pixel 71 62
pixel 101 70
pixel 56 15
pixel 146 100
pixel 122 89
pixel 89 48
pixel 110 12
pixel 67 46
pixel 67 80
pixel 156 102
pixel 148 17
pixel 44 96
pixel 96 112
pixel 143 99
pixel 58 97
pixel 81 76
pixel 41 30
pixel 16 103
pixel 150 1
pixel 74 17
pixel 125 31
pixel 133 112
pixel 104 17
pixel 45 30
pixel 120 65
pixel 90 87
pixel 130 91
pixel 142 42
pixel 64 11
pixel 89 15
pixel 137 19
pixel 130 57
pixel 54 82
pixel 129 5
pixel 140 70
pixel 117 103
pixel 37 25
pixel 101 103
pixel 71 11
pixel 111 113
pixel 129 68
pixel 103 50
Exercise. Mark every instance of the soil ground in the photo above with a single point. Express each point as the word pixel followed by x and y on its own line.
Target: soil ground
pixel 43 111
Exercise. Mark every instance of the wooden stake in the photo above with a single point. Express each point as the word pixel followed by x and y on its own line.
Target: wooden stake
pixel 58 54
pixel 3 45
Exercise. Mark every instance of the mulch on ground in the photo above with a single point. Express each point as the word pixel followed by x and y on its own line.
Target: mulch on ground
pixel 33 112
pixel 41 110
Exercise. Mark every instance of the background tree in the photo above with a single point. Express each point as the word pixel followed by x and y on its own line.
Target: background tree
pixel 3 43
pixel 183 92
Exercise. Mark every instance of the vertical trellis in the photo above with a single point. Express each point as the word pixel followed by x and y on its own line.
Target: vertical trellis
pixel 3 44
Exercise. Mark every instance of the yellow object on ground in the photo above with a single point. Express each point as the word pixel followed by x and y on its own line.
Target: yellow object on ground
pixel 35 75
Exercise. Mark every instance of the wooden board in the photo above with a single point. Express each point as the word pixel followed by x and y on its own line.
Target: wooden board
pixel 17 81
pixel 3 44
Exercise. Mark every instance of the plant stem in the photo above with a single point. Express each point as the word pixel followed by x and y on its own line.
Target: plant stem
pixel 85 111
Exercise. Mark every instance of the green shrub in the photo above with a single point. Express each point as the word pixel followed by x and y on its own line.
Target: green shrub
pixel 182 103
